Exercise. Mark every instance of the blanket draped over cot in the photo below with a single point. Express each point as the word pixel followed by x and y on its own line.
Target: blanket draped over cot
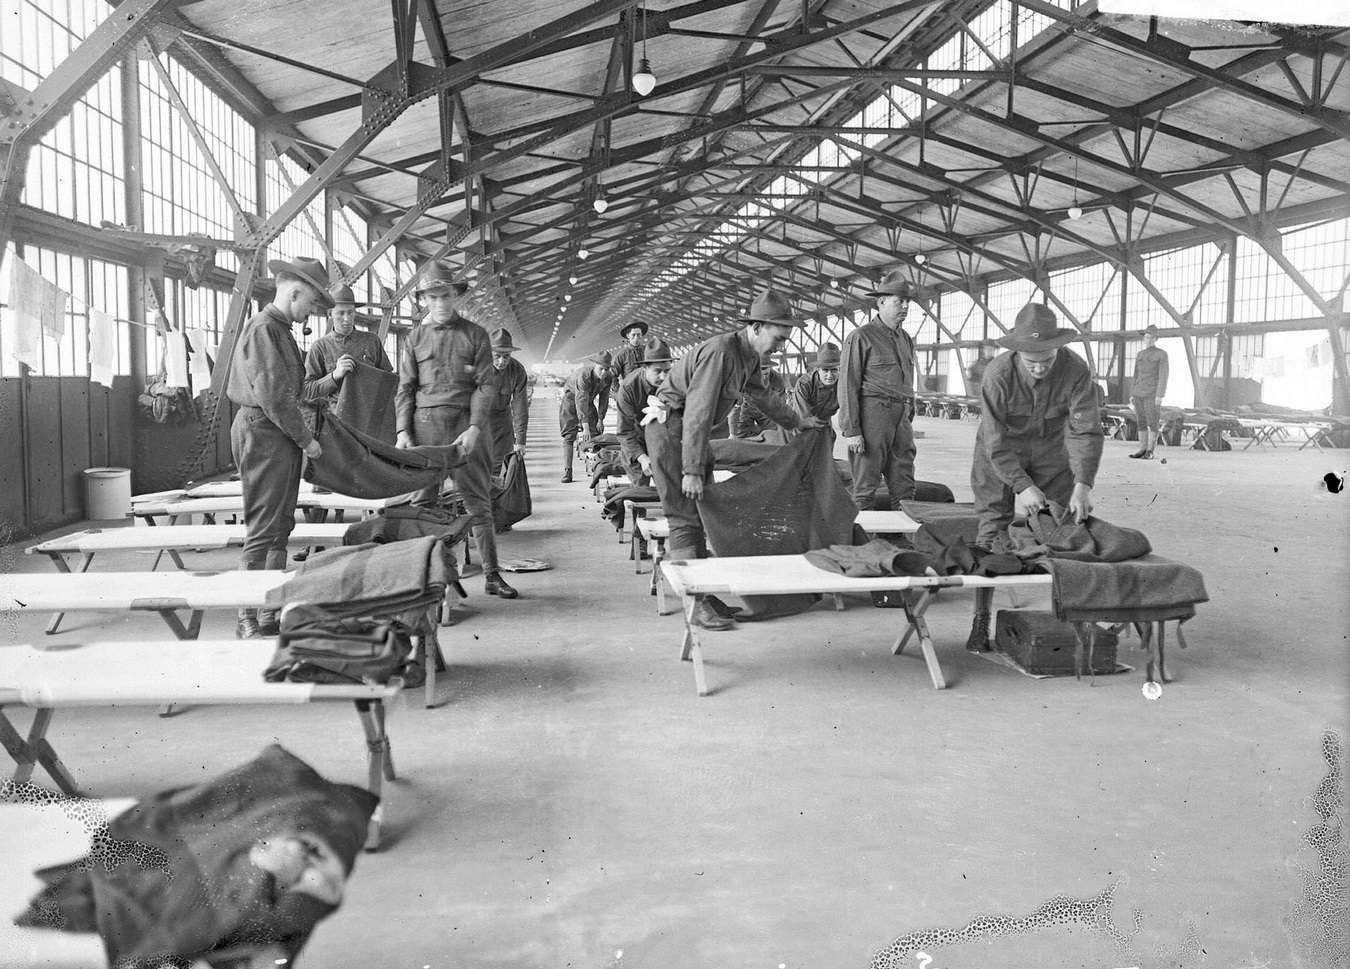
pixel 789 503
pixel 174 879
pixel 361 466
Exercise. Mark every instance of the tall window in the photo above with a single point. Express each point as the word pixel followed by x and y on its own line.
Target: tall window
pixel 76 170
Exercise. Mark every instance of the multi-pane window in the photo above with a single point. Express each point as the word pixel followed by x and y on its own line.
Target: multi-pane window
pixel 77 169
pixel 1005 299
pixel 181 195
pixel 349 245
pixel 304 235
pixel 1091 293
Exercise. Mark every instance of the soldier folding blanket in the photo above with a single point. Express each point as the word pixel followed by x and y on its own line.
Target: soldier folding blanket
pixel 360 466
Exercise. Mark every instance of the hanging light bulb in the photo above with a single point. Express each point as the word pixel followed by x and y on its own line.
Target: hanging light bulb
pixel 568 297
pixel 644 81
pixel 834 284
pixel 1075 211
pixel 920 259
pixel 600 205
pixel 583 253
pixel 572 280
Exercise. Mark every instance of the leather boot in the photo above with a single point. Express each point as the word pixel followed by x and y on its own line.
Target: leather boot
pixel 979 633
pixel 246 626
pixel 495 585
pixel 269 620
pixel 705 617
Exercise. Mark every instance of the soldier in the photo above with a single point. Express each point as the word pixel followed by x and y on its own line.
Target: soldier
pixel 631 402
pixel 817 392
pixel 582 406
pixel 1146 393
pixel 269 437
pixel 336 354
pixel 445 389
pixel 876 397
pixel 1040 435
pixel 629 356
pixel 510 411
pixel 703 386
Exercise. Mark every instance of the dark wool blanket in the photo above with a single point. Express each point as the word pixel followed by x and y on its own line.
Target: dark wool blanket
pixel 1147 588
pixel 361 466
pixel 1054 533
pixel 877 558
pixel 789 503
pixel 173 882
pixel 370 580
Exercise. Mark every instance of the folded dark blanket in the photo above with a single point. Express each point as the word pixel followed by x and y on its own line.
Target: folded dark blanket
pixel 949 542
pixel 926 511
pixel 376 580
pixel 606 469
pixel 1054 533
pixel 877 558
pixel 614 498
pixel 361 466
pixel 1143 589
pixel 601 441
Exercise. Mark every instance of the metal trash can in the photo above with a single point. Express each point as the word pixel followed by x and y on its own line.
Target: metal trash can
pixel 107 493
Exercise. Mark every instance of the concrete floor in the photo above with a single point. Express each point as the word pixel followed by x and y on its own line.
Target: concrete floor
pixel 575 803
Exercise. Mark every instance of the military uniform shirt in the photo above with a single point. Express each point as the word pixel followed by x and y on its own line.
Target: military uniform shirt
pixel 269 372
pixel 584 387
pixel 445 365
pixel 1150 373
pixel 324 353
pixel 626 359
pixel 1021 416
pixel 631 400
pixel 705 384
pixel 877 361
pixel 811 398
pixel 512 393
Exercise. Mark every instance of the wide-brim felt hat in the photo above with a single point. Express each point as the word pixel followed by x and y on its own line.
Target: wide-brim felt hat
pixel 1151 330
pixel 1036 328
pixel 893 283
pixel 602 359
pixel 772 306
pixel 636 324
pixel 437 278
pixel 343 296
pixel 827 357
pixel 656 350
pixel 311 271
pixel 501 341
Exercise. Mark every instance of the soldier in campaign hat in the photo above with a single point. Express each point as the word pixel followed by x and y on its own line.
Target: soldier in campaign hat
pixel 703 386
pixel 336 353
pixel 445 391
pixel 582 405
pixel 816 394
pixel 269 437
pixel 1146 393
pixel 629 356
pixel 876 396
pixel 511 401
pixel 631 401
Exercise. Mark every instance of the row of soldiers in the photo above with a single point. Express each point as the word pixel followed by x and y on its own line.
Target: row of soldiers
pixel 1040 436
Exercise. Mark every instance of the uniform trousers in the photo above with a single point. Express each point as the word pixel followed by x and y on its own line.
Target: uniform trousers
pixel 888 433
pixel 569 423
pixel 473 478
pixel 665 447
pixel 1045 462
pixel 269 474
pixel 1147 413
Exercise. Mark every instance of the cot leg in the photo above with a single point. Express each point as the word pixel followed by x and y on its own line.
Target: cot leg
pixel 189 631
pixel 928 596
pixel 920 626
pixel 60 561
pixel 1158 640
pixel 176 559
pixel 379 762
pixel 658 580
pixel 36 750
pixel 838 602
pixel 692 648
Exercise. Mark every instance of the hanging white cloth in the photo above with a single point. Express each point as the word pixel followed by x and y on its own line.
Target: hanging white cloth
pixel 175 360
pixel 199 366
pixel 102 347
pixel 35 307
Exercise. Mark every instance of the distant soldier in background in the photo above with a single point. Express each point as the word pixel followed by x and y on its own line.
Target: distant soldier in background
pixel 817 393
pixel 631 402
pixel 629 356
pixel 1146 393
pixel 582 406
pixel 510 410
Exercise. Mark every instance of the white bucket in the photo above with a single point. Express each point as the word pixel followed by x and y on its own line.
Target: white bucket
pixel 107 493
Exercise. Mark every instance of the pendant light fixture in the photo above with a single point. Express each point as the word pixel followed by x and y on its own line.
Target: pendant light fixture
pixel 644 81
pixel 1075 211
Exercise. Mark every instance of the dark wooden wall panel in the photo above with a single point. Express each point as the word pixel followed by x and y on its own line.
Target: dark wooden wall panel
pixel 121 422
pixel 13 471
pixel 74 444
pixel 45 473
pixel 98 425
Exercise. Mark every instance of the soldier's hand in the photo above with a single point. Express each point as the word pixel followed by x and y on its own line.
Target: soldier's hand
pixel 1080 503
pixel 810 423
pixel 313 450
pixel 1029 502
pixel 519 449
pixel 645 463
pixel 345 365
pixel 692 486
pixel 855 443
pixel 583 435
pixel 468 441
pixel 404 440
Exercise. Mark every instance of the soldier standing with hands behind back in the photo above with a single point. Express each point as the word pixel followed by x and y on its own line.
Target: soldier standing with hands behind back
pixel 269 437
pixel 1146 393
pixel 445 390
